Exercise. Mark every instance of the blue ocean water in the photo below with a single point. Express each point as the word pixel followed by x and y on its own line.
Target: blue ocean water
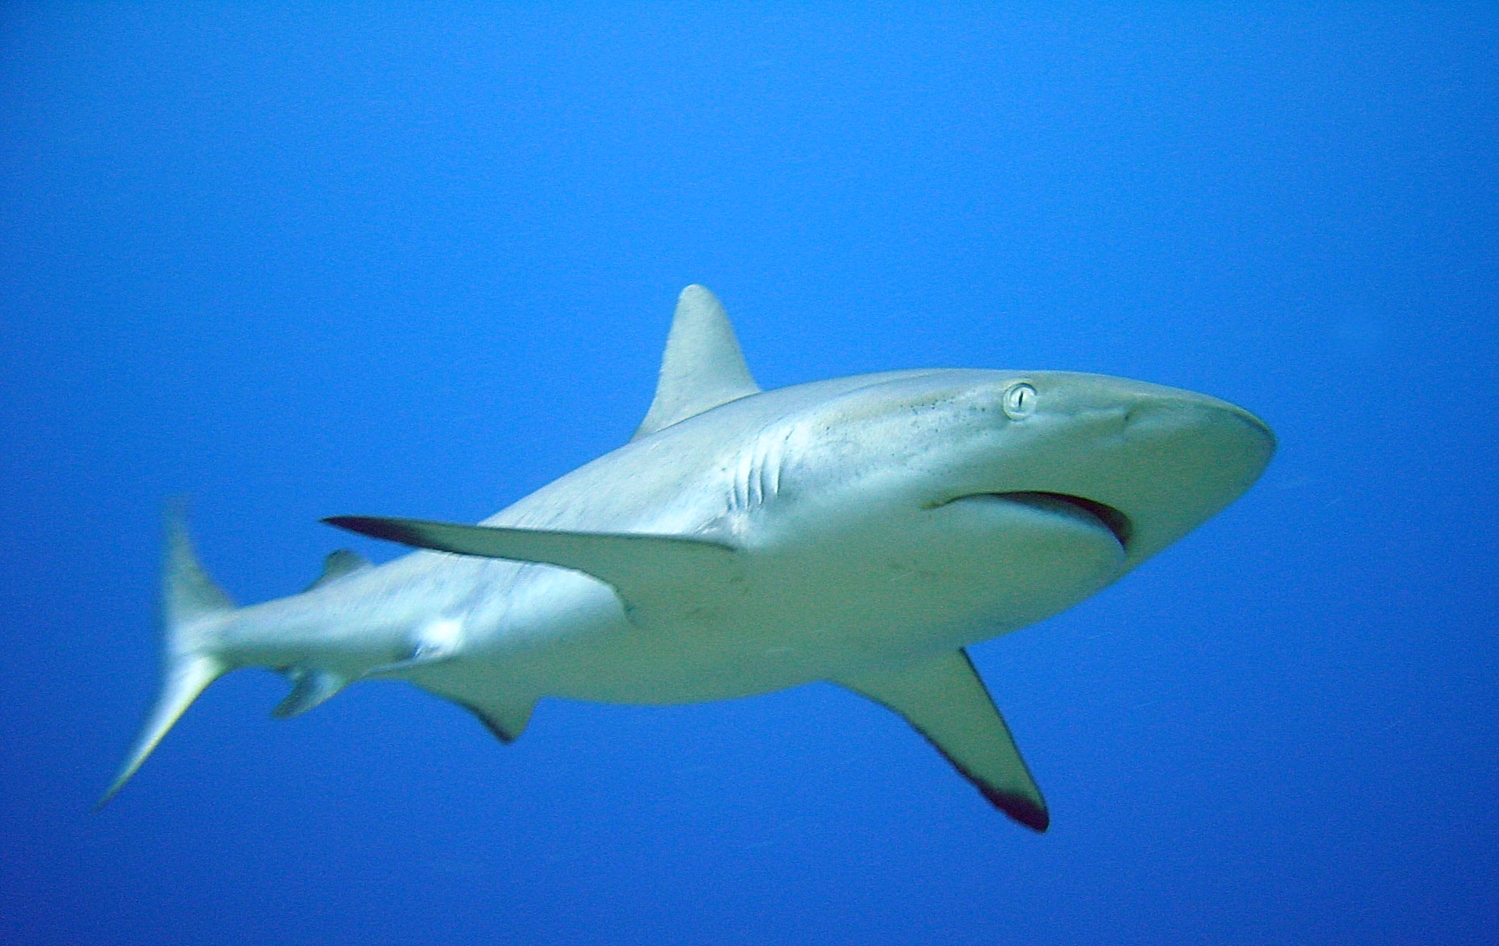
pixel 420 259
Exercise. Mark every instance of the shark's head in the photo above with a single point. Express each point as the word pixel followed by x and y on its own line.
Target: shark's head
pixel 1150 462
pixel 1136 463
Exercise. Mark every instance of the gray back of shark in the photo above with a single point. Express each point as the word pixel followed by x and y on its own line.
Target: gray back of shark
pixel 861 530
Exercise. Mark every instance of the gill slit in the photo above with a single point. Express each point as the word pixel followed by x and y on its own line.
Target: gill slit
pixel 757 473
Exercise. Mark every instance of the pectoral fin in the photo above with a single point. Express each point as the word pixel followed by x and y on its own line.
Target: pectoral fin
pixel 944 699
pixel 650 572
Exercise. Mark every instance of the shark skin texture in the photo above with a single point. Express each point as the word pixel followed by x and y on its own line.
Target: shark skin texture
pixel 860 530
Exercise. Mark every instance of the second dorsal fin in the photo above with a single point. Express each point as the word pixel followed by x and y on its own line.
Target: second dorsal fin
pixel 703 366
pixel 339 564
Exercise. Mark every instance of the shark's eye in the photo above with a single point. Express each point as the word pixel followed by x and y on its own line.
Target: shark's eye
pixel 1020 401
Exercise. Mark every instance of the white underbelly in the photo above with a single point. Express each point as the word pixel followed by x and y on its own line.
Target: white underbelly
pixel 817 611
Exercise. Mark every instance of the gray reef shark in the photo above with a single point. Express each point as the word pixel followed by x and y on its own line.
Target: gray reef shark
pixel 861 530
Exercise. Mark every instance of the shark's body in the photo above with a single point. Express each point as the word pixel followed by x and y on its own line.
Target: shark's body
pixel 860 530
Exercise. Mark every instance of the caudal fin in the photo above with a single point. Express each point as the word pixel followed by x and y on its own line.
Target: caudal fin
pixel 192 608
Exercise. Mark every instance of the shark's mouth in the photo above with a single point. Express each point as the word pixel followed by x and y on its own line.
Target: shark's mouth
pixel 1104 515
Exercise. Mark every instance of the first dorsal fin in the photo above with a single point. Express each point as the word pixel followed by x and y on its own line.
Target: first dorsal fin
pixel 703 366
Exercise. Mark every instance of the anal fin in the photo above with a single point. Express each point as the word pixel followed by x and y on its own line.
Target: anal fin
pixel 505 720
pixel 944 700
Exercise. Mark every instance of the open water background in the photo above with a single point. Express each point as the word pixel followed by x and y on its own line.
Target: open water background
pixel 420 259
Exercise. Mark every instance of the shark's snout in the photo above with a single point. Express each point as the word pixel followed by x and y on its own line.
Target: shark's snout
pixel 1180 458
